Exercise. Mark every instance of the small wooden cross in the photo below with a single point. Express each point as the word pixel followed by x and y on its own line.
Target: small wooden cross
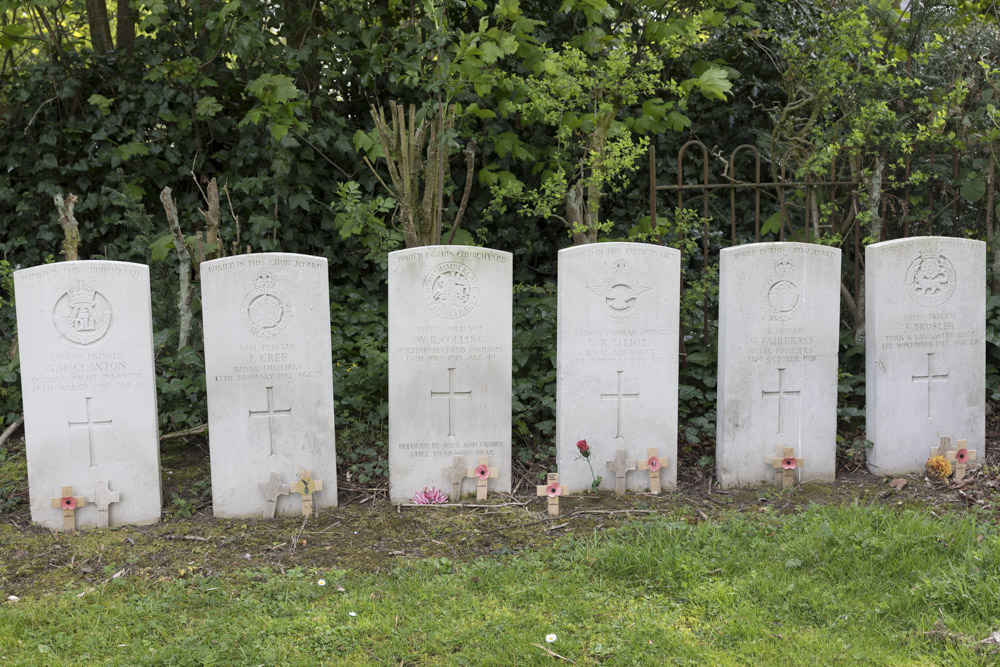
pixel 653 463
pixel 483 473
pixel 959 457
pixel 553 489
pixel 271 489
pixel 620 467
pixel 787 464
pixel 306 487
pixel 457 472
pixel 68 503
pixel 944 445
pixel 103 498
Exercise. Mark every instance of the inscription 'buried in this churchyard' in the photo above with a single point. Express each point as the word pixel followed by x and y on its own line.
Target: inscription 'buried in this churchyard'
pixel 449 367
pixel 925 349
pixel 270 382
pixel 86 346
pixel 779 325
pixel 617 363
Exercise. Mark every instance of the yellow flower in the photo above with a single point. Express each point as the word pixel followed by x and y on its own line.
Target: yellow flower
pixel 938 467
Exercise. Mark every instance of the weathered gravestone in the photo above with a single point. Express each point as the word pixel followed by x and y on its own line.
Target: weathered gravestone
pixel 449 368
pixel 925 350
pixel 270 382
pixel 86 337
pixel 779 329
pixel 616 384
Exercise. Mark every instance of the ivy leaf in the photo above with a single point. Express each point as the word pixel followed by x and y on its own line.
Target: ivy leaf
pixel 207 107
pixel 101 102
pixel 974 187
pixel 130 150
pixel 770 225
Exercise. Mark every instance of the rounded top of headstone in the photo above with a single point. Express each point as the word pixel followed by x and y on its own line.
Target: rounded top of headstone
pixel 623 248
pixel 778 246
pixel 927 240
pixel 456 251
pixel 290 257
pixel 88 265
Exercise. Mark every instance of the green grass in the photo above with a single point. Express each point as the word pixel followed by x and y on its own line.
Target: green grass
pixel 828 586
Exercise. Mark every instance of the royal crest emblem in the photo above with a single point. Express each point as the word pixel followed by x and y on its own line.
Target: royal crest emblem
pixel 82 315
pixel 265 312
pixel 930 278
pixel 782 297
pixel 621 292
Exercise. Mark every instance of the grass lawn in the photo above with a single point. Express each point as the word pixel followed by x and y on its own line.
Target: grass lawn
pixel 829 585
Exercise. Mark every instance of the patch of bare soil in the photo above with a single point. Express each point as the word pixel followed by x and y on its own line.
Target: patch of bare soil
pixel 367 533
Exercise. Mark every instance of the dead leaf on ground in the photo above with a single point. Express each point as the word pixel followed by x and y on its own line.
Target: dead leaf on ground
pixel 899 483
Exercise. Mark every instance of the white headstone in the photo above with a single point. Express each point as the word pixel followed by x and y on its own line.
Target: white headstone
pixel 619 305
pixel 86 336
pixel 779 330
pixel 449 366
pixel 925 350
pixel 270 381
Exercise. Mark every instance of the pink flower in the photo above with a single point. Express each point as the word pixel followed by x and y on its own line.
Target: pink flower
pixel 431 496
pixel 68 503
pixel 582 446
pixel 482 472
pixel 653 463
pixel 553 490
pixel 962 455
pixel 789 463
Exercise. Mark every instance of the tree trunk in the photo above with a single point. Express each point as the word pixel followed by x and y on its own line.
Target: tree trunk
pixel 183 269
pixel 71 230
pixel 125 31
pixel 991 238
pixel 100 28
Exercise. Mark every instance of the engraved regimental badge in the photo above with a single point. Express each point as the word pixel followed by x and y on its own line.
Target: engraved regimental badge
pixel 930 278
pixel 265 311
pixel 781 297
pixel 451 290
pixel 82 315
pixel 621 292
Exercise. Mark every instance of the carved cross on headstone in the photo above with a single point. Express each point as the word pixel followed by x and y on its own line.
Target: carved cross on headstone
pixel 68 503
pixel 619 396
pixel 271 413
pixel 89 425
pixel 653 463
pixel 620 466
pixel 780 393
pixel 482 472
pixel 457 472
pixel 553 489
pixel 306 487
pixel 786 463
pixel 103 498
pixel 271 489
pixel 929 379
pixel 451 394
